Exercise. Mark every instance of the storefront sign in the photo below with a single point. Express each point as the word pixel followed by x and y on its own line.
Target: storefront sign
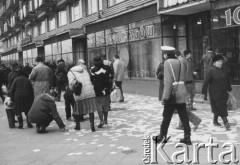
pixel 141 33
pixel 116 35
pixel 170 3
pixel 26 40
pixel 232 16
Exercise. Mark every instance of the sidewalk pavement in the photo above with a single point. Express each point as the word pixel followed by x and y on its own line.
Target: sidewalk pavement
pixel 118 143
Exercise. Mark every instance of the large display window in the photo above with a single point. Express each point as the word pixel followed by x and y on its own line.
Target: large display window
pixel 226 36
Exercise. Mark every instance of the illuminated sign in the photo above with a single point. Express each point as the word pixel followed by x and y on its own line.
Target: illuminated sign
pixel 232 16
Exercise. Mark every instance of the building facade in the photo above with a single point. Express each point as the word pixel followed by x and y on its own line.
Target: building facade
pixel 135 30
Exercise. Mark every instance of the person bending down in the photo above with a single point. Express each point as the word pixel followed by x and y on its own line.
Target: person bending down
pixel 43 112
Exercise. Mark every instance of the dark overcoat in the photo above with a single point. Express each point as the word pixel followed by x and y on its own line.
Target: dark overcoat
pixel 22 94
pixel 218 85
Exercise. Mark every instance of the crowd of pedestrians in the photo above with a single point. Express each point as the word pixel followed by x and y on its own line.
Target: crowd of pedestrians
pixel 33 91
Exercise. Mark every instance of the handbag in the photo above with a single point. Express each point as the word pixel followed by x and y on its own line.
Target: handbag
pixel 231 102
pixel 172 99
pixel 77 87
pixel 115 95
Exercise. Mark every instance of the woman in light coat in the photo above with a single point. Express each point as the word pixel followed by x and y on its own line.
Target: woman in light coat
pixel 85 103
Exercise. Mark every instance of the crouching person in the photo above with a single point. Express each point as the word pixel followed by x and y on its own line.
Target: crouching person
pixel 43 112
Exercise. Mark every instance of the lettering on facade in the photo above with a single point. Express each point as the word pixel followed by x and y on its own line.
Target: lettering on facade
pixel 170 3
pixel 26 40
pixel 141 33
pixel 116 35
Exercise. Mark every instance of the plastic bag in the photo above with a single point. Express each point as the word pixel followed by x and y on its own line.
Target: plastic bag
pixel 4 89
pixel 115 95
pixel 231 102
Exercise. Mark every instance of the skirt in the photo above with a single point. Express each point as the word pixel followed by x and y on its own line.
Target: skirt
pixel 103 103
pixel 86 106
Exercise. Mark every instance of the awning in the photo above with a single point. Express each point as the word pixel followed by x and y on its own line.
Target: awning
pixel 187 8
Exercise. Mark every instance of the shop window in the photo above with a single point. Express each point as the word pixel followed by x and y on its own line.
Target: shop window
pixel 35 31
pixel 52 23
pixel 94 6
pixel 42 27
pixel 114 2
pixel 35 4
pixel 145 58
pixel 62 17
pixel 67 54
pixel 76 10
pixel 48 53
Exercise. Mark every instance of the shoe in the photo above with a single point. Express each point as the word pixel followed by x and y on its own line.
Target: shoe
pixel 20 121
pixel 216 123
pixel 105 122
pixel 194 109
pixel 159 139
pixel 180 128
pixel 196 125
pixel 186 140
pixel 226 124
pixel 101 124
pixel 29 125
pixel 77 127
pixel 93 128
pixel 42 130
pixel 121 100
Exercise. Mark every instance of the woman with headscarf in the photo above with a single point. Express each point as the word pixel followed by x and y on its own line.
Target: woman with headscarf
pixel 218 84
pixel 85 103
pixel 100 77
pixel 23 96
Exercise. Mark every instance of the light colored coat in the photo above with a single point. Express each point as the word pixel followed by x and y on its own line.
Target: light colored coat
pixel 119 68
pixel 42 77
pixel 180 89
pixel 83 77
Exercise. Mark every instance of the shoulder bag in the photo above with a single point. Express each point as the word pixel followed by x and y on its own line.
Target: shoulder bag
pixel 172 99
pixel 77 87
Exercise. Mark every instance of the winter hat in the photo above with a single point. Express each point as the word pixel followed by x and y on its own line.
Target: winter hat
pixel 217 58
pixel 97 60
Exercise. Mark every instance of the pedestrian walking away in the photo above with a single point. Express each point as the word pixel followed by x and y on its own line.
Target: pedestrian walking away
pixel 100 77
pixel 22 96
pixel 41 77
pixel 217 83
pixel 85 103
pixel 119 68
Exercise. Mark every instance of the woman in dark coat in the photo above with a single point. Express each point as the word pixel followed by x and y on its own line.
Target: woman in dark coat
pixel 218 85
pixel 100 77
pixel 22 96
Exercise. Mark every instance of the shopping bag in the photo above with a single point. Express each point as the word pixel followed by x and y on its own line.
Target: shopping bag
pixel 231 102
pixel 115 95
pixel 4 89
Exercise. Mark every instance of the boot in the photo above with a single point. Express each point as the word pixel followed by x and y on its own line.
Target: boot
pixel 29 124
pixel 215 121
pixel 77 121
pixel 10 116
pixel 37 128
pixel 91 118
pixel 226 124
pixel 100 114
pixel 159 138
pixel 105 117
pixel 20 121
pixel 186 140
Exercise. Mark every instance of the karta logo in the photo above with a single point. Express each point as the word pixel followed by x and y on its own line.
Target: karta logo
pixel 152 150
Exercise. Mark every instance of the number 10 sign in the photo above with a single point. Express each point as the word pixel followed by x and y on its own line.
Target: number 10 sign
pixel 232 16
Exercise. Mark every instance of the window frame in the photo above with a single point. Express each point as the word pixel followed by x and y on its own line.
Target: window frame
pixel 79 7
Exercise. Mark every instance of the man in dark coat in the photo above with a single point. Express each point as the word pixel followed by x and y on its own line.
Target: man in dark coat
pixel 207 60
pixel 43 112
pixel 13 74
pixel 218 85
pixel 1 83
pixel 61 75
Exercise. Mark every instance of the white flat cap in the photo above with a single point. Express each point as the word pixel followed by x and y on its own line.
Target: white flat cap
pixel 81 61
pixel 167 48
